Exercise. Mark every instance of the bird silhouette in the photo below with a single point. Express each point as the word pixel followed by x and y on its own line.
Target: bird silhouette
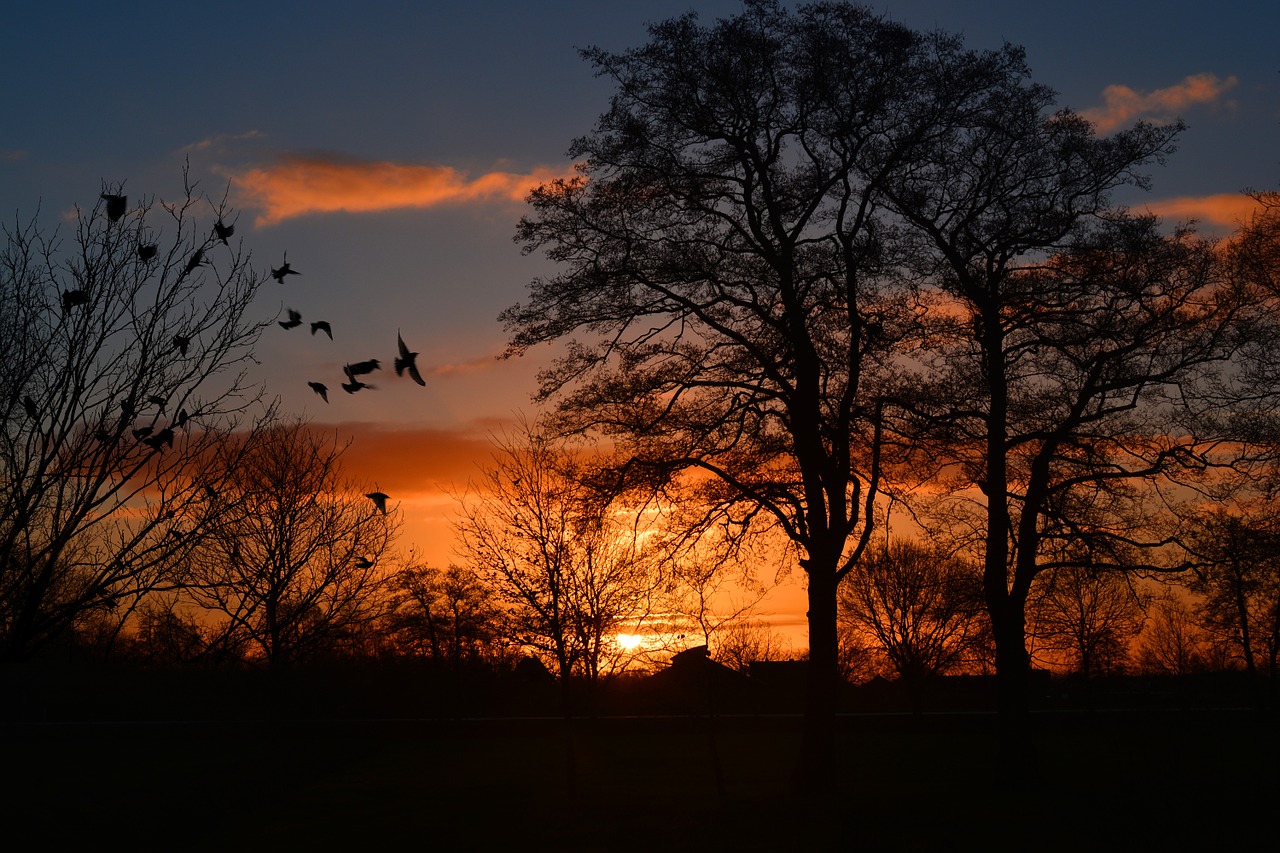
pixel 183 417
pixel 164 436
pixel 30 406
pixel 222 232
pixel 295 319
pixel 379 500
pixel 116 206
pixel 180 343
pixel 407 361
pixel 354 385
pixel 71 298
pixel 364 563
pixel 196 260
pixel 321 389
pixel 157 400
pixel 147 251
pixel 323 326
pixel 142 432
pixel 283 270
pixel 361 367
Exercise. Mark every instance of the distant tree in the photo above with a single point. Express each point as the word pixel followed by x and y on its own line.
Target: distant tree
pixel 920 606
pixel 1087 617
pixel 744 641
pixel 1237 577
pixel 1172 641
pixel 563 555
pixel 448 616
pixel 290 569
pixel 121 355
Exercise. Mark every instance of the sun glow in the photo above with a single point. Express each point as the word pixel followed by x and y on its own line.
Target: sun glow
pixel 630 642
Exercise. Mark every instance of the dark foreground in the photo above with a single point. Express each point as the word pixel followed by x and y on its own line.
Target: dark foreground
pixel 1170 780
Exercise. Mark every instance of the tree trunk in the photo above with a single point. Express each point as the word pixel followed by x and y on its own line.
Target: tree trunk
pixel 817 747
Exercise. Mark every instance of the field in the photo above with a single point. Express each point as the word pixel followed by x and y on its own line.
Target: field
pixel 1169 780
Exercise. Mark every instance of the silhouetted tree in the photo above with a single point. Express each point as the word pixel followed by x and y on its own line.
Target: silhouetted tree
pixel 448 615
pixel 121 349
pixel 290 569
pixel 1172 641
pixel 1081 343
pixel 1237 576
pixel 564 557
pixel 735 289
pixel 1089 616
pixel 921 606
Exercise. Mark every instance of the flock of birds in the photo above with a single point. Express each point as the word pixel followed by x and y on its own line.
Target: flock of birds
pixel 405 362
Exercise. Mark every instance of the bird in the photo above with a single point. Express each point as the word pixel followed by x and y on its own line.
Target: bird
pixel 222 232
pixel 164 436
pixel 71 298
pixel 354 385
pixel 147 251
pixel 323 326
pixel 283 270
pixel 116 206
pixel 321 389
pixel 364 563
pixel 142 432
pixel 196 260
pixel 180 343
pixel 183 417
pixel 407 361
pixel 379 500
pixel 30 406
pixel 361 367
pixel 295 319
pixel 157 400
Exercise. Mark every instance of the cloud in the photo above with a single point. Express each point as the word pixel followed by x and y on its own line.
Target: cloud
pixel 1123 104
pixel 1227 210
pixel 221 140
pixel 405 461
pixel 299 185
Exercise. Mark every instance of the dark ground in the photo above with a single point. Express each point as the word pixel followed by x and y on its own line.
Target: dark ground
pixel 1152 779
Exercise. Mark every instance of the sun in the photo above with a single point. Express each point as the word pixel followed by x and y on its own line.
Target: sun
pixel 629 642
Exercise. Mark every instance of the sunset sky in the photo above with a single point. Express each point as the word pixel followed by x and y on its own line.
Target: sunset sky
pixel 387 147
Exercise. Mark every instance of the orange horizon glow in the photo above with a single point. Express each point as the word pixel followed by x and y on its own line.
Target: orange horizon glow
pixel 299 185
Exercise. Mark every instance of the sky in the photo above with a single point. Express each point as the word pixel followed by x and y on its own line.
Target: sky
pixel 387 148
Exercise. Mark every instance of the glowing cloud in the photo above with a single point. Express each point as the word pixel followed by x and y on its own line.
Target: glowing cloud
pixel 1227 210
pixel 297 186
pixel 1123 104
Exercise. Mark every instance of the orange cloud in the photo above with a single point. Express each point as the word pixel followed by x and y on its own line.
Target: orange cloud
pixel 297 185
pixel 1123 104
pixel 1227 210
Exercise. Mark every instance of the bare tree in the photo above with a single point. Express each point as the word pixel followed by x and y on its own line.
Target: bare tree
pixel 447 616
pixel 921 606
pixel 567 560
pixel 1087 616
pixel 1172 641
pixel 291 567
pixel 121 364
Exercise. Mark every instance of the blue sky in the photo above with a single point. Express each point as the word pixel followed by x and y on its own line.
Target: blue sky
pixel 465 104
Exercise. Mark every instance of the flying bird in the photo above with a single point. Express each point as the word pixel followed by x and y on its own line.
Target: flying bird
pixel 379 500
pixel 180 343
pixel 116 206
pixel 364 563
pixel 283 270
pixel 147 251
pixel 322 326
pixel 361 367
pixel 222 232
pixel 407 361
pixel 354 385
pixel 196 260
pixel 157 400
pixel 321 389
pixel 295 319
pixel 142 432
